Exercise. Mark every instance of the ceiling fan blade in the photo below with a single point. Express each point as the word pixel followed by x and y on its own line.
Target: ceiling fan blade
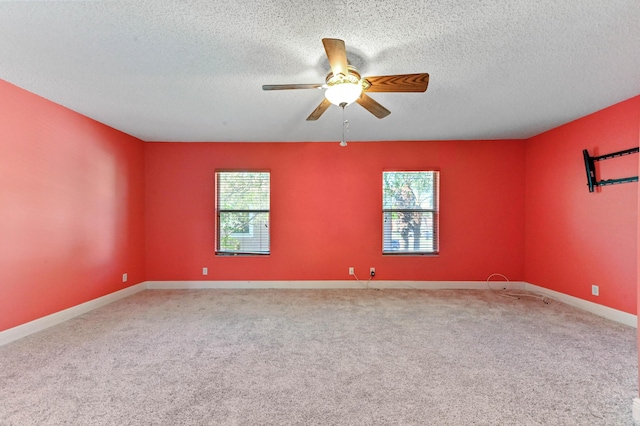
pixel 399 83
pixel 337 54
pixel 372 106
pixel 290 86
pixel 319 110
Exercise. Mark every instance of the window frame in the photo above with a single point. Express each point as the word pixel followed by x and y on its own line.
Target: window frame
pixel 434 211
pixel 251 212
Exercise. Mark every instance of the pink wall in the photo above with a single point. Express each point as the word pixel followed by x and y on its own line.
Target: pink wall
pixel 326 210
pixel 575 238
pixel 71 208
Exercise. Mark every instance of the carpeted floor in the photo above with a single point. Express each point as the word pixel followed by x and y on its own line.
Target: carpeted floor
pixel 348 357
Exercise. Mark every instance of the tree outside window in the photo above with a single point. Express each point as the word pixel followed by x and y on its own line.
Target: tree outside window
pixel 410 212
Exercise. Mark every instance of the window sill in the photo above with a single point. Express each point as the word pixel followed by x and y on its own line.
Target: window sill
pixel 415 253
pixel 227 254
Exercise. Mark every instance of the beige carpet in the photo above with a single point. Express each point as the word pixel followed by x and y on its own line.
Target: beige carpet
pixel 349 357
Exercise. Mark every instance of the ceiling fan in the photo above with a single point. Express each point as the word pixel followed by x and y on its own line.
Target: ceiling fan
pixel 344 84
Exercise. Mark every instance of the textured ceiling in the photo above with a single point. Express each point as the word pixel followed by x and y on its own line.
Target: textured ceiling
pixel 193 70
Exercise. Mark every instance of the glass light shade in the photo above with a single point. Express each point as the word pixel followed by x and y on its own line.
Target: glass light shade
pixel 343 93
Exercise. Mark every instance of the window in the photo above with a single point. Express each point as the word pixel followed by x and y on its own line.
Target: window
pixel 410 212
pixel 242 213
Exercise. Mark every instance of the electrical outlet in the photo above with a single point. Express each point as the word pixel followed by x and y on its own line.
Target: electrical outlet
pixel 372 272
pixel 351 271
pixel 124 278
pixel 205 271
pixel 595 290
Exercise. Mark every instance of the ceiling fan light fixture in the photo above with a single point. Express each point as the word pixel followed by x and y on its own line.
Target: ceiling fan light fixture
pixel 344 84
pixel 343 93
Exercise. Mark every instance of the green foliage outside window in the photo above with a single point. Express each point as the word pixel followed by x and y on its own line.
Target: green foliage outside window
pixel 410 208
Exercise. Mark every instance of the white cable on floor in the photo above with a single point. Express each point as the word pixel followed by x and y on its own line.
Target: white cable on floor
pixel 366 284
pixel 506 292
pixel 498 275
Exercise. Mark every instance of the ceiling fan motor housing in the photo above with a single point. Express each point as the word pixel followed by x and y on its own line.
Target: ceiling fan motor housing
pixel 352 77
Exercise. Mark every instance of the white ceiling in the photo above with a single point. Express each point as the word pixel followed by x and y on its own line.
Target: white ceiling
pixel 193 70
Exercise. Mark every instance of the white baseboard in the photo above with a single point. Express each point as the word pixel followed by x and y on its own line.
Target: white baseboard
pixel 40 324
pixel 337 284
pixel 600 310
pixel 635 408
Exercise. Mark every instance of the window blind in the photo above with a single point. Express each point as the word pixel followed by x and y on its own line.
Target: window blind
pixel 410 212
pixel 242 212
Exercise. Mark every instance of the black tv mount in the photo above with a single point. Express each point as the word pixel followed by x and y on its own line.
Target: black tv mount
pixel 589 164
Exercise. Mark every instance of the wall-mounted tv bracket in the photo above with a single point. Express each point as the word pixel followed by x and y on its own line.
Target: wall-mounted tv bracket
pixel 589 164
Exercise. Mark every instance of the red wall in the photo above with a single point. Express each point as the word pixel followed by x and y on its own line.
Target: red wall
pixel 81 203
pixel 326 210
pixel 71 208
pixel 638 258
pixel 575 238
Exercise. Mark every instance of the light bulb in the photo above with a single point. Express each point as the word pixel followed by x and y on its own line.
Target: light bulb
pixel 343 93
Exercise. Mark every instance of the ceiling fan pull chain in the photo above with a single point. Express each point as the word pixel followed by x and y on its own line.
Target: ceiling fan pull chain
pixel 345 125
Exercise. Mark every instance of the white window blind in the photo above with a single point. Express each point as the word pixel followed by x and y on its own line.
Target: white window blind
pixel 410 212
pixel 242 213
